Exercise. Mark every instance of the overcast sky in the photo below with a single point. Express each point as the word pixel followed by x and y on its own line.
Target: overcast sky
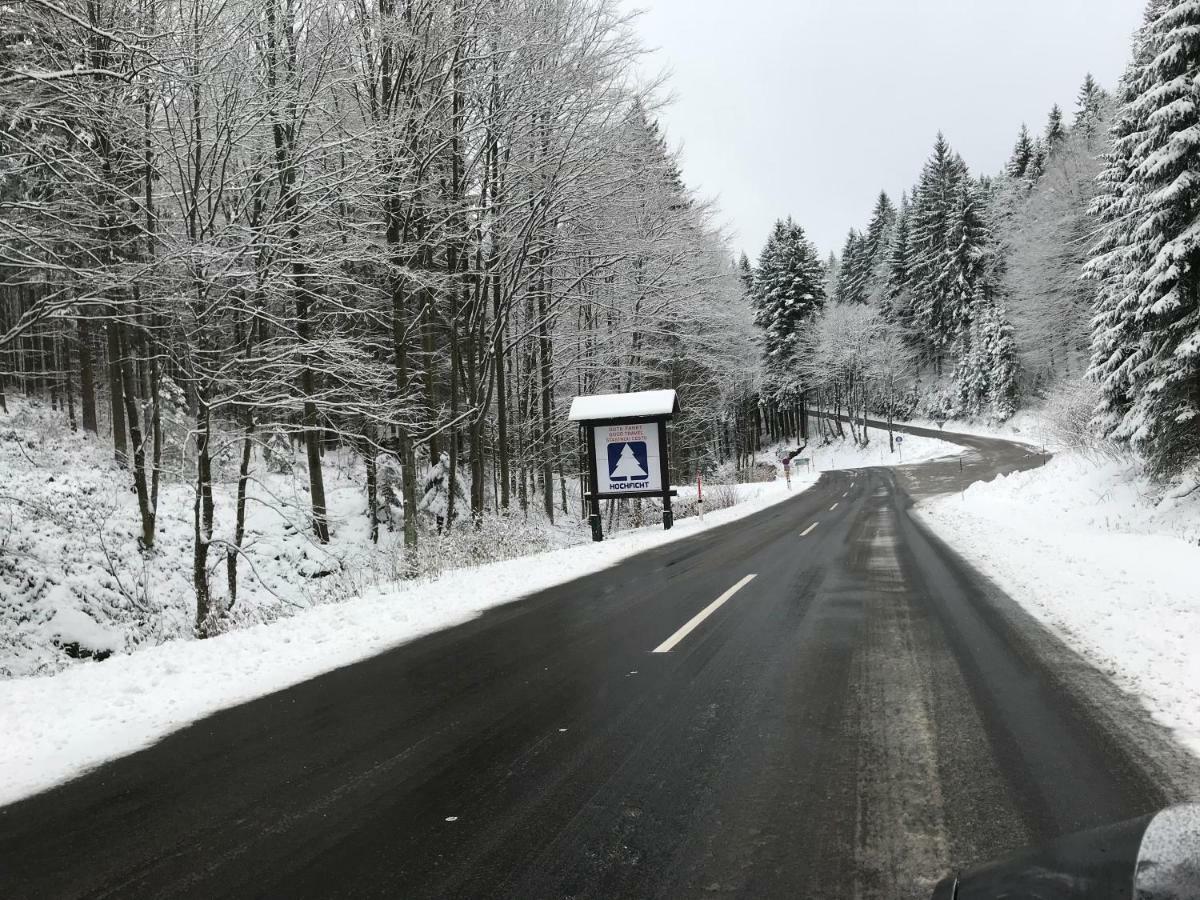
pixel 809 107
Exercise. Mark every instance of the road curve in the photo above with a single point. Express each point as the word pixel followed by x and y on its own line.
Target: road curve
pixel 860 716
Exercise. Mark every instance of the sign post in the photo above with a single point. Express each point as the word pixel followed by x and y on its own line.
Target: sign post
pixel 625 442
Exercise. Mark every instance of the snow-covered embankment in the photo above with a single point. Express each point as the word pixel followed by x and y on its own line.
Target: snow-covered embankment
pixel 1093 550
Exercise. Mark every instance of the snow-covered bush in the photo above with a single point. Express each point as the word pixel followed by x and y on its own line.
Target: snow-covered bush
pixel 720 496
pixel 498 538
pixel 756 472
pixel 1070 419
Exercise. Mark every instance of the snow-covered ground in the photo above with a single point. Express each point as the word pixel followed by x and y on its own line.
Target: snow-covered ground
pixel 1026 427
pixel 1104 557
pixel 74 583
pixel 910 448
pixel 57 726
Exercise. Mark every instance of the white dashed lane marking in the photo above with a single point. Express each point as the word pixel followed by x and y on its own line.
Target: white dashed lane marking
pixel 669 643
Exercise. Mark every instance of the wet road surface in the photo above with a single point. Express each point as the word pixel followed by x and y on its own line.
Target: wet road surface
pixel 861 715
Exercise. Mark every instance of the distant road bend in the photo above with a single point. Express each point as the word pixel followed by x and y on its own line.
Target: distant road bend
pixel 819 700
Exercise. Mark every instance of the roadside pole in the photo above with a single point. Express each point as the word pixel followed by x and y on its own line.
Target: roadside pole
pixel 699 495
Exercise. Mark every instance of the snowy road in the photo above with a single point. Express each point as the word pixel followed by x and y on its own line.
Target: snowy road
pixel 857 717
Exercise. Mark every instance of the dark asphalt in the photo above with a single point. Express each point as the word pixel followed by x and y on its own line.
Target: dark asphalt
pixel 865 714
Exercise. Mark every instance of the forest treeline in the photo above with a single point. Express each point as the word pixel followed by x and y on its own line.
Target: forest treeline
pixel 414 229
pixel 957 300
pixel 1072 275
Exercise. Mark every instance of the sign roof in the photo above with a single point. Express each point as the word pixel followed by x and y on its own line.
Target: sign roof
pixel 621 406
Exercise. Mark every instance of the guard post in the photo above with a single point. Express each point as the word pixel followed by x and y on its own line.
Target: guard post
pixel 624 438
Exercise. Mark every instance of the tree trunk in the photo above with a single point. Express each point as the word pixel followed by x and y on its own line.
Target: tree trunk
pixel 202 518
pixel 239 529
pixel 545 445
pixel 87 377
pixel 68 380
pixel 115 392
pixel 146 511
pixel 502 442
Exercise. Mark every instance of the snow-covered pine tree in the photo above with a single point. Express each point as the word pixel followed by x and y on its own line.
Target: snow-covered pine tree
pixel 1037 162
pixel 833 268
pixel 896 306
pixel 788 287
pixel 967 246
pixel 435 498
pixel 1000 352
pixel 746 272
pixel 986 375
pixel 1022 153
pixel 1146 340
pixel 1115 350
pixel 850 270
pixel 876 243
pixel 1089 107
pixel 1056 132
pixel 931 273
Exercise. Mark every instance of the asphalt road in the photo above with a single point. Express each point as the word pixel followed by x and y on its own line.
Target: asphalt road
pixel 863 714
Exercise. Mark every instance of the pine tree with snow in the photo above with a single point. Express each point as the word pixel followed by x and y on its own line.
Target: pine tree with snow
pixel 850 270
pixel 1022 153
pixel 1056 132
pixel 931 271
pixel 876 244
pixel 1037 162
pixel 1146 339
pixel 1000 350
pixel 896 306
pixel 789 286
pixel 1089 107
pixel 435 499
pixel 986 375
pixel 746 273
pixel 967 246
pixel 833 268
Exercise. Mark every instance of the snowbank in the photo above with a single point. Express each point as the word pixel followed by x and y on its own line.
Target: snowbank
pixel 57 726
pixel 1096 552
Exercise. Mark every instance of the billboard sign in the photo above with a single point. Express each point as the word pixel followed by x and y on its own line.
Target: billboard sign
pixel 627 459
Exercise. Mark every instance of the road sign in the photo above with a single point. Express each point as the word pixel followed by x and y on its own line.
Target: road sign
pixel 899 439
pixel 627 459
pixel 625 444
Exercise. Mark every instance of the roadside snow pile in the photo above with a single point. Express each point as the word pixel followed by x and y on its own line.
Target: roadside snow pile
pixel 1093 549
pixel 56 727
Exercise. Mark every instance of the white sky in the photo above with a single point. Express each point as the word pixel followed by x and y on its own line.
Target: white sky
pixel 809 107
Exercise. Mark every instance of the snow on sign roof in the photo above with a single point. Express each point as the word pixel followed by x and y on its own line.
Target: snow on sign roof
pixel 623 406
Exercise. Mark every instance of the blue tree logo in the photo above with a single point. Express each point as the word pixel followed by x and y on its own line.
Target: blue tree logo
pixel 627 462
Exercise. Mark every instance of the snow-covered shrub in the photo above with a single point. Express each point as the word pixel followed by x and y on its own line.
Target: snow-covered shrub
pixel 435 499
pixel 1070 418
pixel 498 538
pixel 720 496
pixel 277 454
pixel 756 472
